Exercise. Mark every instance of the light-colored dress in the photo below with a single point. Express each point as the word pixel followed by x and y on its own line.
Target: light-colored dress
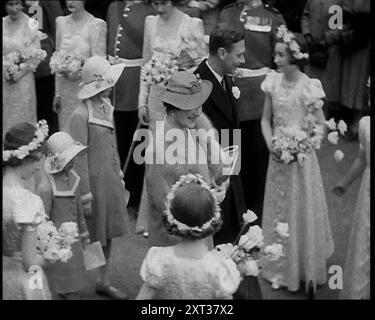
pixel 211 277
pixel 19 99
pixel 61 196
pixel 100 171
pixel 153 42
pixel 295 194
pixel 87 41
pixel 20 206
pixel 357 264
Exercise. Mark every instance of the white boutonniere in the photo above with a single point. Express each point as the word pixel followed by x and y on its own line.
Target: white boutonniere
pixel 236 92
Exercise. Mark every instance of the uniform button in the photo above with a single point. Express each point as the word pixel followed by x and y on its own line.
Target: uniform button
pixel 73 201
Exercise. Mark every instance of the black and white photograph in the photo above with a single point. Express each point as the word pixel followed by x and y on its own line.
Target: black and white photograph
pixel 186 150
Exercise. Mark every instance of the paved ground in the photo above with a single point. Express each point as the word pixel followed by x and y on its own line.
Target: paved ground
pixel 130 250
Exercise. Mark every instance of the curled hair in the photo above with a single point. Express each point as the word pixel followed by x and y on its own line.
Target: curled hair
pixel 301 41
pixel 224 36
pixel 19 135
pixel 193 213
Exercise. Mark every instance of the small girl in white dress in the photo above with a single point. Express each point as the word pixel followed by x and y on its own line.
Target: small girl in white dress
pixel 188 270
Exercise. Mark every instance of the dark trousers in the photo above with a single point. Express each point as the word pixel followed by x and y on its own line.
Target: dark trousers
pixel 254 164
pixel 45 91
pixel 126 123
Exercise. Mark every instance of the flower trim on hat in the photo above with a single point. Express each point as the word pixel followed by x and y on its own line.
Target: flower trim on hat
pixel 288 38
pixel 56 162
pixel 23 151
pixel 186 179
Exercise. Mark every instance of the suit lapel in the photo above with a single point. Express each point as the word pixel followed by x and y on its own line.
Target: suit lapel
pixel 218 95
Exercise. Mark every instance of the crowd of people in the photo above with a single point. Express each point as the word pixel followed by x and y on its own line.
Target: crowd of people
pixel 95 81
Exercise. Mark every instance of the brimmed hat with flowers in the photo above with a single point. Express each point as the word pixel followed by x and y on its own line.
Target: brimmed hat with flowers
pixel 62 149
pixel 98 75
pixel 186 91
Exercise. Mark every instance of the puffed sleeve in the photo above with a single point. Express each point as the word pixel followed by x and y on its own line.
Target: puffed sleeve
pixel 151 269
pixel 363 124
pixel 98 37
pixel 313 95
pixel 44 190
pixel 79 132
pixel 29 209
pixel 225 275
pixel 268 83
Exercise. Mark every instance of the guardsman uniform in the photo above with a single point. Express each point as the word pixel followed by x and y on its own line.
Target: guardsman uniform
pixel 259 24
pixel 125 45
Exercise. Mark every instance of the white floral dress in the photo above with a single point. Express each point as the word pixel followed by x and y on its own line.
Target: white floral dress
pixel 20 206
pixel 357 264
pixel 19 99
pixel 175 277
pixel 295 194
pixel 87 41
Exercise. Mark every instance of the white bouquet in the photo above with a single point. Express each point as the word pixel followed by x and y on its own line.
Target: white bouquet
pixel 160 68
pixel 193 49
pixel 292 143
pixel 18 62
pixel 68 64
pixel 56 245
pixel 247 250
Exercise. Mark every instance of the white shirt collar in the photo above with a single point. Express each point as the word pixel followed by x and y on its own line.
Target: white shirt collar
pixel 217 76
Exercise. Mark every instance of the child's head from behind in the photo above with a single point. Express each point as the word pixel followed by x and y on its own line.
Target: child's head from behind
pixel 193 212
pixel 290 50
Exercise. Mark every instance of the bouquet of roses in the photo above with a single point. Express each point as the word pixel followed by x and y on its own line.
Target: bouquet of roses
pixel 56 245
pixel 18 62
pixel 69 64
pixel 292 143
pixel 193 49
pixel 160 68
pixel 247 250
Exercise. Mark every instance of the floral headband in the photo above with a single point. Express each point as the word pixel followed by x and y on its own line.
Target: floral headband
pixel 186 179
pixel 23 151
pixel 288 38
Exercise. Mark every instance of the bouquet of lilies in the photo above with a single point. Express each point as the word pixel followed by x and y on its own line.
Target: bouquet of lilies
pixel 160 68
pixel 56 245
pixel 248 249
pixel 18 62
pixel 68 64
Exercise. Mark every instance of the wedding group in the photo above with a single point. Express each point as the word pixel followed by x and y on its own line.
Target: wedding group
pixel 229 118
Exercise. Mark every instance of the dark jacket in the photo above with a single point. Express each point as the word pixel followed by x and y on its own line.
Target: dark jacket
pixel 221 109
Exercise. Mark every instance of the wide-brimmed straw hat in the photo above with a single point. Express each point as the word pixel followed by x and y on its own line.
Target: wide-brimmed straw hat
pixel 186 91
pixel 62 149
pixel 98 75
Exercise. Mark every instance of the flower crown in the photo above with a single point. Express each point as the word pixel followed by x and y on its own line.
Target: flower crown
pixel 186 179
pixel 288 38
pixel 23 151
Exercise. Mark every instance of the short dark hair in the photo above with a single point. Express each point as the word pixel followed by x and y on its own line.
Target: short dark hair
pixel 301 41
pixel 193 213
pixel 224 36
pixel 19 135
pixel 169 107
pixel 174 2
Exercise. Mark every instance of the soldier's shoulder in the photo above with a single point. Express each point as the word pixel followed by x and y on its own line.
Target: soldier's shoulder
pixel 271 8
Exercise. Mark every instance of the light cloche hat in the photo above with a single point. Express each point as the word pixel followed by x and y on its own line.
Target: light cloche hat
pixel 186 91
pixel 98 75
pixel 62 149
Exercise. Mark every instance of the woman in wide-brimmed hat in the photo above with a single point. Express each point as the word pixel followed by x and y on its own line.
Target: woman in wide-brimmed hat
pixel 59 189
pixel 183 98
pixel 104 196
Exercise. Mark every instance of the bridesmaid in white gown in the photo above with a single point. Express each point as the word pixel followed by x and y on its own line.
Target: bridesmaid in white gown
pixel 19 100
pixel 81 33
pixel 162 32
pixel 357 264
pixel 22 212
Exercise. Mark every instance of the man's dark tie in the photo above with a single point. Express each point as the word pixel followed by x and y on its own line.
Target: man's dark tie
pixel 223 85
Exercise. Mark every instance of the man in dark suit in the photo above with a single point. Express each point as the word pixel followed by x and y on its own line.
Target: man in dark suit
pixel 227 48
pixel 125 22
